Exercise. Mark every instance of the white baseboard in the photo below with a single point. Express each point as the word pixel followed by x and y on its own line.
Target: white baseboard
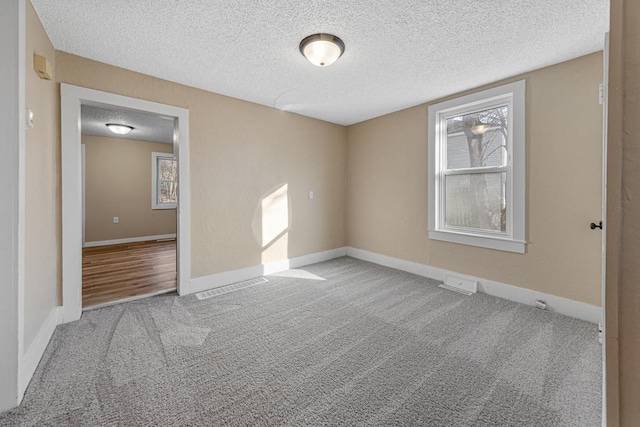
pixel 129 240
pixel 568 307
pixel 33 355
pixel 217 280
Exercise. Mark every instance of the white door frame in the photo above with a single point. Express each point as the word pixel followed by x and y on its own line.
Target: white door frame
pixel 12 208
pixel 82 189
pixel 71 99
pixel 605 120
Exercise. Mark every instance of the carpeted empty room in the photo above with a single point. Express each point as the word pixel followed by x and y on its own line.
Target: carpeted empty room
pixel 343 342
pixel 319 213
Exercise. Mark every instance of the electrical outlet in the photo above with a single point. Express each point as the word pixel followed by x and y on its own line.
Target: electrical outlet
pixel 116 219
pixel 601 93
pixel 600 333
pixel 541 304
pixel 310 195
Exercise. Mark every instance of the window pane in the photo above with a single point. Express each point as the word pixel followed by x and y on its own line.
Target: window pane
pixel 167 169
pixel 477 139
pixel 167 192
pixel 476 201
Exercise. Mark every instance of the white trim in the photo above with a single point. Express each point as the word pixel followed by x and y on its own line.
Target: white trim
pixel 71 206
pixel 33 355
pixel 605 125
pixel 22 191
pixel 225 278
pixel 71 98
pixel 12 193
pixel 568 307
pixel 83 168
pixel 129 299
pixel 128 240
pixel 512 94
pixel 154 181
pixel 484 241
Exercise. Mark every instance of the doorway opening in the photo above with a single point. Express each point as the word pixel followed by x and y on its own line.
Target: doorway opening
pixel 129 193
pixel 79 236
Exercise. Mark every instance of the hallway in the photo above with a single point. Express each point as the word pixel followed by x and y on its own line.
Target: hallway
pixel 115 272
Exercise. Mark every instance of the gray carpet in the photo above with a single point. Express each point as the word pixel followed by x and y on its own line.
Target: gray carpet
pixel 342 342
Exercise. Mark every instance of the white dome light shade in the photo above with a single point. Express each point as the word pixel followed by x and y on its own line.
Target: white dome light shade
pixel 322 49
pixel 119 129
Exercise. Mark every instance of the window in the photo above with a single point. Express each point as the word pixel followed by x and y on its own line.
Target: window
pixel 477 176
pixel 164 181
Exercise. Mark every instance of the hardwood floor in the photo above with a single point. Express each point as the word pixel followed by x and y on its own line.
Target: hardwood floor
pixel 115 272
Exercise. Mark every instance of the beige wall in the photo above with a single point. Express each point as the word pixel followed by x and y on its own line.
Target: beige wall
pixel 225 131
pixel 42 203
pixel 240 153
pixel 387 188
pixel 623 217
pixel 118 183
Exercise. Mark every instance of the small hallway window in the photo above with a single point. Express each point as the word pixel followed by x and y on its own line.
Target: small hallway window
pixel 164 181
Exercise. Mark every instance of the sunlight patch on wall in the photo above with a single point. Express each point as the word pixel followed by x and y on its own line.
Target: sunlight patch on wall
pixel 275 215
pixel 271 221
pixel 278 250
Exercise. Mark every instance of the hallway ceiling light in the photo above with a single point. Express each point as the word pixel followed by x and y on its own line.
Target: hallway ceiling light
pixel 119 129
pixel 322 49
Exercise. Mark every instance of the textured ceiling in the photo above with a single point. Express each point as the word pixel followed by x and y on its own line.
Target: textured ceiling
pixel 398 53
pixel 146 127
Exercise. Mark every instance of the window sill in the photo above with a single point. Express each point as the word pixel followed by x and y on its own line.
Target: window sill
pixel 498 243
pixel 160 207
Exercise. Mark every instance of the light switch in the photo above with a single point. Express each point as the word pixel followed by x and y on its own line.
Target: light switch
pixel 28 116
pixel 116 219
pixel 310 195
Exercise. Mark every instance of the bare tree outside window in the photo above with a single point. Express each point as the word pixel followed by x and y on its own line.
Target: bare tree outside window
pixel 167 180
pixel 476 197
pixel 164 181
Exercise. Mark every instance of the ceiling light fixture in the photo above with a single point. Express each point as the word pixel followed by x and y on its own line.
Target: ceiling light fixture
pixel 119 129
pixel 322 49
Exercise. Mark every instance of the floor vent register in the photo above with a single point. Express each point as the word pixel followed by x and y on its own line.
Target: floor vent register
pixel 231 288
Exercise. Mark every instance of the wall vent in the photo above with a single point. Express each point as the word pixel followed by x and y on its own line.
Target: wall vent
pixel 460 284
pixel 231 288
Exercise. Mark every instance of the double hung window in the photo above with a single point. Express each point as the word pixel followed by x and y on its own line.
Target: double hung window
pixel 477 169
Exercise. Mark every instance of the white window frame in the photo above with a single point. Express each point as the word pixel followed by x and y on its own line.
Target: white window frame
pixel 154 180
pixel 513 95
